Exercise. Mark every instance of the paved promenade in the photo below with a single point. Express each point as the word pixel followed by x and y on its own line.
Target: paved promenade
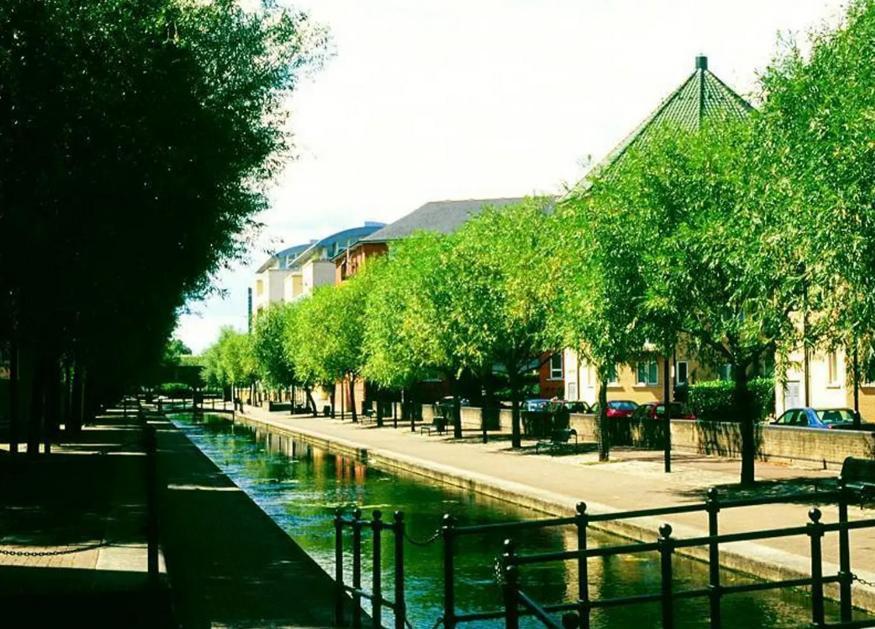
pixel 633 480
pixel 79 515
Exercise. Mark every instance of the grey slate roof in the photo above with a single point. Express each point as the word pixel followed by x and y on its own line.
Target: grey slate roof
pixel 443 217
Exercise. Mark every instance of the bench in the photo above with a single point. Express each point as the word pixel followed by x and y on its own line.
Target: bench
pixel 438 424
pixel 559 439
pixel 858 475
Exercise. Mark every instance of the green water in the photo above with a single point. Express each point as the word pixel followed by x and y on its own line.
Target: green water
pixel 300 486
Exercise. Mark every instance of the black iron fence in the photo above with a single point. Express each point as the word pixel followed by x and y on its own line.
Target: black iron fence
pixel 375 526
pixel 517 602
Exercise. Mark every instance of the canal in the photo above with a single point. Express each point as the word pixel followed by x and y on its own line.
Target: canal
pixel 300 486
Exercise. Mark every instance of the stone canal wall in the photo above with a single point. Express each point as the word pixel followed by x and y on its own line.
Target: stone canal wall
pixel 790 444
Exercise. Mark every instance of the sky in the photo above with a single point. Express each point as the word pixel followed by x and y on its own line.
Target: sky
pixel 428 100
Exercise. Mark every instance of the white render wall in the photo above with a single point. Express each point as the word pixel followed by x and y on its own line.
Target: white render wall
pixel 267 289
pixel 317 273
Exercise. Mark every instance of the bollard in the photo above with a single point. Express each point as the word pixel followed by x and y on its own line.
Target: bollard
pixel 665 551
pixel 448 535
pixel 339 595
pixel 376 570
pixel 581 521
pixel 357 568
pixel 815 533
pixel 846 577
pixel 400 604
pixel 510 586
pixel 712 505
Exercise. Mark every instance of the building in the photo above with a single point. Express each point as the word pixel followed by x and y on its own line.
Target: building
pixel 824 378
pixel 700 97
pixel 443 217
pixel 297 271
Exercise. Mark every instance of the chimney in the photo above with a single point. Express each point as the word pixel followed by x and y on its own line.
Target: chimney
pixel 701 62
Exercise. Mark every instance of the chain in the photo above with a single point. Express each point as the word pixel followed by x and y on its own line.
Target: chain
pixel 426 542
pixel 437 624
pixel 863 581
pixel 50 553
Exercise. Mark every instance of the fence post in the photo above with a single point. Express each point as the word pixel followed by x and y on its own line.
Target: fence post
pixel 510 585
pixel 845 575
pixel 448 535
pixel 400 604
pixel 151 447
pixel 357 568
pixel 582 522
pixel 712 505
pixel 338 566
pixel 815 533
pixel 665 552
pixel 377 570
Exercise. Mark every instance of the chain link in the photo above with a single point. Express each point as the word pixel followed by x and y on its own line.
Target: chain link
pixel 856 577
pixel 426 542
pixel 50 553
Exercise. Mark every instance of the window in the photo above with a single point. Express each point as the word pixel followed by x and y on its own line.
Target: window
pixel 682 371
pixel 556 366
pixel 612 374
pixel 832 365
pixel 648 373
pixel 259 287
pixel 572 391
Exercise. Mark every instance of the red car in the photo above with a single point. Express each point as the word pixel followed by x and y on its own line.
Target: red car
pixel 618 408
pixel 656 410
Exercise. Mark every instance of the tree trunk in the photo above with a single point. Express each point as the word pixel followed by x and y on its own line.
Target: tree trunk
pixel 379 402
pixel 455 409
pixel 352 410
pixel 604 438
pixel 856 375
pixel 37 408
pixel 743 407
pixel 310 401
pixel 516 440
pixel 77 403
pixel 666 392
pixel 14 392
pixel 334 399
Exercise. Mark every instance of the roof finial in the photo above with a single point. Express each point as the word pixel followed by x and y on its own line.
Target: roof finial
pixel 701 62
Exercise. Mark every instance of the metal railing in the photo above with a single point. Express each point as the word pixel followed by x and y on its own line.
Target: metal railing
pixel 518 603
pixel 376 526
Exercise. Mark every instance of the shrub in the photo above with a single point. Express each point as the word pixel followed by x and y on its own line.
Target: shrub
pixel 712 400
pixel 173 389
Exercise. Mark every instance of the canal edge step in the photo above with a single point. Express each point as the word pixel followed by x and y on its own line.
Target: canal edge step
pixel 747 558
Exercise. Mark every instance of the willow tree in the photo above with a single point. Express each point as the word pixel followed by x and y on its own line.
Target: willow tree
pixel 600 292
pixel 135 139
pixel 818 117
pixel 707 244
pixel 503 273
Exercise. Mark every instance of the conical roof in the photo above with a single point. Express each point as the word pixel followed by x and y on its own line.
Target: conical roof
pixel 700 97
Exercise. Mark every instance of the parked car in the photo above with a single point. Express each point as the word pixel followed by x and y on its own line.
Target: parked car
pixel 577 407
pixel 656 410
pixel 808 417
pixel 618 408
pixel 536 405
pixel 448 400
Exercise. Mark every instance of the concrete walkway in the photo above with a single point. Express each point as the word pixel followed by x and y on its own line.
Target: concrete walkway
pixel 633 480
pixel 72 533
pixel 229 563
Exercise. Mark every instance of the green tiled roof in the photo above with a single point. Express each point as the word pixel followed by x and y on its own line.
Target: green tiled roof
pixel 700 97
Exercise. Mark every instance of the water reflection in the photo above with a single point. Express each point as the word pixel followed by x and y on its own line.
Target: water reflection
pixel 300 485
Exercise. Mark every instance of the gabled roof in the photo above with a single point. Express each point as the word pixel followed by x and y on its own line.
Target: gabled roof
pixel 700 97
pixel 443 217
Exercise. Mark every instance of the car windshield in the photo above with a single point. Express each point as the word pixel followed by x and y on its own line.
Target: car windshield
pixel 835 415
pixel 623 406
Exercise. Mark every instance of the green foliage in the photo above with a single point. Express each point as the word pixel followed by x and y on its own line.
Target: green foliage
pixel 273 360
pixel 230 361
pixel 174 351
pixel 135 136
pixel 173 389
pixel 819 119
pixel 714 400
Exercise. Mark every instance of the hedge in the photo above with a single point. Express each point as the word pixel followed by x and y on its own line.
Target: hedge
pixel 173 389
pixel 712 400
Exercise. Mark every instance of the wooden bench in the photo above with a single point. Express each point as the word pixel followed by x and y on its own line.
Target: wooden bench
pixel 859 475
pixel 438 424
pixel 559 439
